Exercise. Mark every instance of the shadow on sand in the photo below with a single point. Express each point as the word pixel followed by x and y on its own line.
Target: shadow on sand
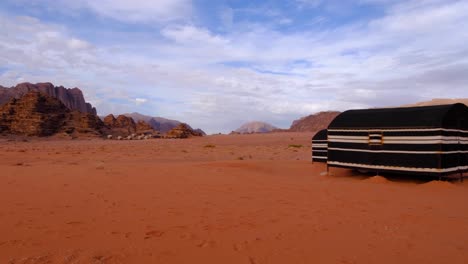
pixel 393 177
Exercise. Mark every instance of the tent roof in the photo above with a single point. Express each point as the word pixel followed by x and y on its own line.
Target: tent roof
pixel 320 135
pixel 435 116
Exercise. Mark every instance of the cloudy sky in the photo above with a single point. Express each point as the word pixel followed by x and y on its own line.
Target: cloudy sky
pixel 217 64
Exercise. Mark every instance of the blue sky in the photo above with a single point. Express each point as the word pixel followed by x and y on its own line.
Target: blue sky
pixel 218 64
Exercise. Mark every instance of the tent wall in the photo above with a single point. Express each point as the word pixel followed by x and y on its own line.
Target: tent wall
pixel 439 149
pixel 320 146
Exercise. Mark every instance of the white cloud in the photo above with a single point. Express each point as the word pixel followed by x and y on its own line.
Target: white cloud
pixel 141 10
pixel 78 44
pixel 192 35
pixel 140 101
pixel 133 11
pixel 252 72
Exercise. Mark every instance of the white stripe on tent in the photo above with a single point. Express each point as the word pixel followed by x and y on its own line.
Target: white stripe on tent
pixel 319 145
pixel 399 138
pixel 399 130
pixel 316 150
pixel 402 152
pixel 319 157
pixel 382 167
pixel 424 142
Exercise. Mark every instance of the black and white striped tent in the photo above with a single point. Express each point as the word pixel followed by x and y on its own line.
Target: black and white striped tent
pixel 430 140
pixel 320 146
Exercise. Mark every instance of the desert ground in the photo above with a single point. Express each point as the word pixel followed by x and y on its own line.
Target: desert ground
pixel 250 199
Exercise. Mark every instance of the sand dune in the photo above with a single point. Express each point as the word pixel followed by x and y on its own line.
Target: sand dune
pixel 220 199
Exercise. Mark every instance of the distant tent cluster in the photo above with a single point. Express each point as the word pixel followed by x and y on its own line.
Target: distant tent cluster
pixel 430 140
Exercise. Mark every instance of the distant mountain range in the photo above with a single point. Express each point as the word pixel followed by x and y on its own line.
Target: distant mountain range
pixel 321 120
pixel 255 127
pixel 313 122
pixel 157 123
pixel 440 101
pixel 160 124
pixel 44 96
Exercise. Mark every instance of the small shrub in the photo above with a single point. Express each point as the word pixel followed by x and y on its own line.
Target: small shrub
pixel 295 146
pixel 209 146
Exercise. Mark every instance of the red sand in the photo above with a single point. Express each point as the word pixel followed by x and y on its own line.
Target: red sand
pixel 219 199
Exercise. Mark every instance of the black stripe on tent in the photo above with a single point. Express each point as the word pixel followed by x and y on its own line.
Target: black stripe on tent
pixel 410 147
pixel 415 133
pixel 393 170
pixel 386 159
pixel 348 133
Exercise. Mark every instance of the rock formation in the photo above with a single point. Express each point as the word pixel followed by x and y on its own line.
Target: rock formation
pixel 313 122
pixel 160 124
pixel 255 127
pixel 143 128
pixel 199 131
pixel 157 123
pixel 71 98
pixel 182 131
pixel 83 123
pixel 439 101
pixel 38 114
pixel 124 126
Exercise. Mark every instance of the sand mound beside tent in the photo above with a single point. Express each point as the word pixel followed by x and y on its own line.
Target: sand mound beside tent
pixel 438 184
pixel 377 179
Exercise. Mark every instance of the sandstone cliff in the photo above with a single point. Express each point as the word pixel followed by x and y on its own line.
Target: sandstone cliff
pixel 124 126
pixel 71 98
pixel 157 123
pixel 160 124
pixel 313 122
pixel 439 101
pixel 37 114
pixel 182 131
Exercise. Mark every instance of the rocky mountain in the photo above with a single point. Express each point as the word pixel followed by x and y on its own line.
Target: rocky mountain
pixel 255 127
pixel 440 101
pixel 157 123
pixel 124 126
pixel 182 131
pixel 160 124
pixel 143 127
pixel 313 122
pixel 199 131
pixel 321 120
pixel 71 98
pixel 38 114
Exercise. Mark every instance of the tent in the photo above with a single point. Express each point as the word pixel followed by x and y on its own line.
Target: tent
pixel 319 146
pixel 429 140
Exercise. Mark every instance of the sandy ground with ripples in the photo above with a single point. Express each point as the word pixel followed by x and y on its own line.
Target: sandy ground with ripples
pixel 220 199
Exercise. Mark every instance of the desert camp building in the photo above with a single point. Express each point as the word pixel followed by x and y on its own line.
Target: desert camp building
pixel 429 140
pixel 320 146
